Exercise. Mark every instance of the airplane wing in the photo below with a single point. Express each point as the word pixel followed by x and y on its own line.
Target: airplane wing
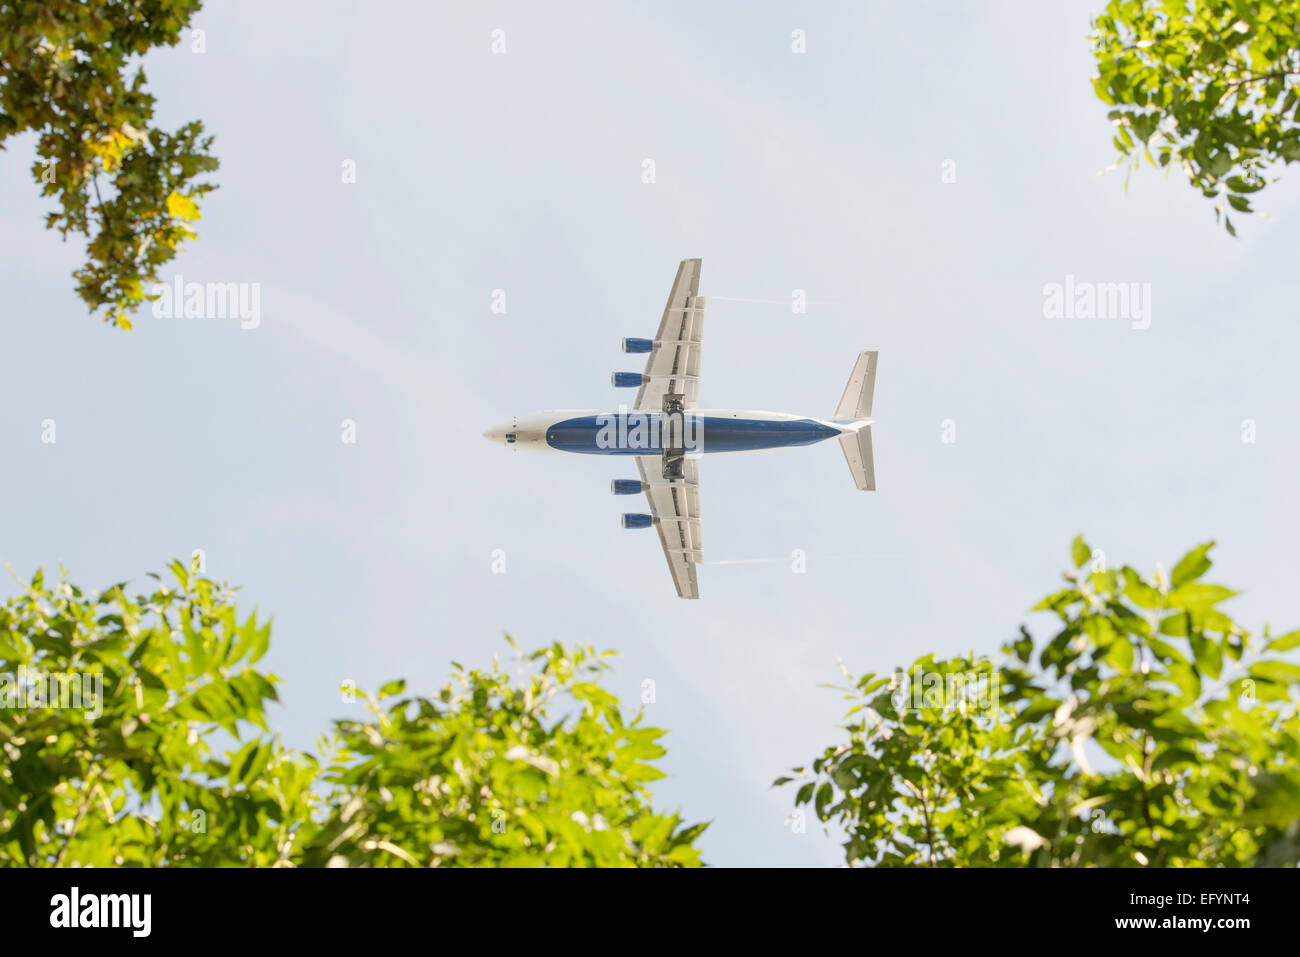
pixel 675 505
pixel 674 363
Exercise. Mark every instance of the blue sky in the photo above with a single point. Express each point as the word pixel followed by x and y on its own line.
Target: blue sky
pixel 522 172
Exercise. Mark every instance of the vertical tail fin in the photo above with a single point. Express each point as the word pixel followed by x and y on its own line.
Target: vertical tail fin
pixel 855 403
pixel 854 410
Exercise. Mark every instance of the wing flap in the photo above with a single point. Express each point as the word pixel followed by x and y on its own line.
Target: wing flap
pixel 675 506
pixel 674 362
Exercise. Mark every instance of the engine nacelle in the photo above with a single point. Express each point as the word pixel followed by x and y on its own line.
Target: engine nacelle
pixel 627 486
pixel 627 380
pixel 637 520
pixel 638 345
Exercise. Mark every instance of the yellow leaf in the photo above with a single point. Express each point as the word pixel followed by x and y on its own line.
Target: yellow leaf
pixel 182 206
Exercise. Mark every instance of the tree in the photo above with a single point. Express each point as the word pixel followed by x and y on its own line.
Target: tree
pixel 1209 86
pixel 1150 730
pixel 487 773
pixel 134 733
pixel 109 707
pixel 68 73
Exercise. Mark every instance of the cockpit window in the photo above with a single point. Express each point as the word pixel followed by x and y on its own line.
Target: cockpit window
pixel 510 437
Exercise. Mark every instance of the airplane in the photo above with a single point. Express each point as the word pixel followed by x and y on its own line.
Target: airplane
pixel 666 432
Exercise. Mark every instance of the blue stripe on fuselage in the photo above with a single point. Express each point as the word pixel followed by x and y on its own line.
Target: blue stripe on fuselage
pixel 640 433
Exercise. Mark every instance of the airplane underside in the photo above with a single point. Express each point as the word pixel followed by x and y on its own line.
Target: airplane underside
pixel 665 432
pixel 640 433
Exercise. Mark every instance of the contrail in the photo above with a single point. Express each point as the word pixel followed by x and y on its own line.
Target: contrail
pixel 783 558
pixel 775 302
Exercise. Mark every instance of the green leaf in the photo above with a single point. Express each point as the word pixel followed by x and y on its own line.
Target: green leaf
pixel 1285 642
pixel 1198 595
pixel 1139 592
pixel 1165 651
pixel 1191 566
pixel 1177 625
pixel 1120 655
pixel 1207 654
pixel 1282 672
pixel 824 795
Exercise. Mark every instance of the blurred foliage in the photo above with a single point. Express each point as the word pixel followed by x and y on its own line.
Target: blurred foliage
pixel 1151 730
pixel 1209 86
pixel 497 772
pixel 173 764
pixel 69 71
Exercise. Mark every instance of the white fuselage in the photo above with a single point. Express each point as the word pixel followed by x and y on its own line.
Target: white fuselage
pixel 623 432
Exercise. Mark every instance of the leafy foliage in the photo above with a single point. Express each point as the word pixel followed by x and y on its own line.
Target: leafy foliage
pixel 164 757
pixel 131 777
pixel 486 773
pixel 1150 730
pixel 1210 86
pixel 68 73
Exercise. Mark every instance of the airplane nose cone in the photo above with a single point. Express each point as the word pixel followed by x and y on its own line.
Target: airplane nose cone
pixel 500 433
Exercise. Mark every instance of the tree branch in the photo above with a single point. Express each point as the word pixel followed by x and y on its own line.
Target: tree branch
pixel 88 793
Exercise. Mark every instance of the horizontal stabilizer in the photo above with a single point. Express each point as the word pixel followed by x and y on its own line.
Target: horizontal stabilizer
pixel 857 452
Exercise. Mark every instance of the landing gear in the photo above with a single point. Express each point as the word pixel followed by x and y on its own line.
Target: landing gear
pixel 674 436
pixel 674 465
